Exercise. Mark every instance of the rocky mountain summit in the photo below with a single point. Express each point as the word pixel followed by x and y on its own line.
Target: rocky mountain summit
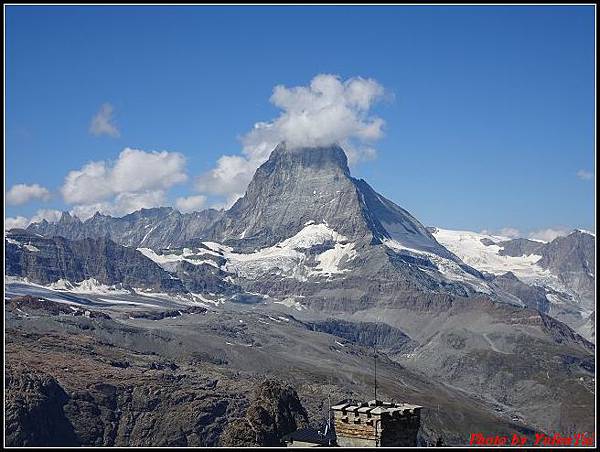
pixel 296 187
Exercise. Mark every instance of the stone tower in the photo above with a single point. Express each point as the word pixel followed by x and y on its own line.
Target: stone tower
pixel 376 424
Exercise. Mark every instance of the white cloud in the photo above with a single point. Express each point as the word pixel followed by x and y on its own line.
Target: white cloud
pixel 544 235
pixel 360 154
pixel 137 179
pixel 190 203
pixel 134 171
pixel 88 184
pixel 326 112
pixel 585 175
pixel 49 215
pixel 22 193
pixel 549 234
pixel 511 233
pixel 230 178
pixel 103 122
pixel 122 204
pixel 15 222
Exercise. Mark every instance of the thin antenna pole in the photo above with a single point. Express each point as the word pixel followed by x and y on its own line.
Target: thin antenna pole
pixel 375 356
pixel 329 412
pixel 328 425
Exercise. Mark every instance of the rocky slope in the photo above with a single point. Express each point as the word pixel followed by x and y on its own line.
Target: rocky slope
pixel 193 380
pixel 129 411
pixel 73 380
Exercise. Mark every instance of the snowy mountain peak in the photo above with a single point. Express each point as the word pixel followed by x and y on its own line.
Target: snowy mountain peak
pixel 584 231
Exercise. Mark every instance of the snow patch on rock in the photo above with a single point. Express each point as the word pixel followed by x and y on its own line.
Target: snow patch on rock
pixel 447 268
pixel 169 261
pixel 291 302
pixel 288 258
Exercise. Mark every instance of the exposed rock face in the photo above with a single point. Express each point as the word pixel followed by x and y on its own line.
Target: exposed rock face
pixel 519 247
pixel 87 263
pixel 159 315
pixel 77 389
pixel 47 260
pixel 533 296
pixel 134 407
pixel 41 413
pixel 35 411
pixel 572 259
pixel 390 221
pixel 152 228
pixel 369 334
pixel 588 329
pixel 293 187
pixel 204 279
pixel 28 305
pixel 274 412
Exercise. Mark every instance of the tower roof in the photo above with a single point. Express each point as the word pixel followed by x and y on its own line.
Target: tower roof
pixel 376 407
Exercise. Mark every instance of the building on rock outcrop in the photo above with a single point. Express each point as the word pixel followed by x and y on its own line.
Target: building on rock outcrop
pixel 365 424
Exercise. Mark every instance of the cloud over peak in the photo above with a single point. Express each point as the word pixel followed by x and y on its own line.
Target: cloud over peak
pixel 190 203
pixel 549 234
pixel 327 111
pixel 543 235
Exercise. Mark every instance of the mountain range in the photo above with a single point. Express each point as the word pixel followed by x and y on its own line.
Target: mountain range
pixel 508 321
pixel 309 195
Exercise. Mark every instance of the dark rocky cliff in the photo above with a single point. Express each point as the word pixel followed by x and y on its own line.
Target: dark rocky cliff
pixel 46 260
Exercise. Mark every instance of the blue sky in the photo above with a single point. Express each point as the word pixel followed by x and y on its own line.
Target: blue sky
pixel 490 121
